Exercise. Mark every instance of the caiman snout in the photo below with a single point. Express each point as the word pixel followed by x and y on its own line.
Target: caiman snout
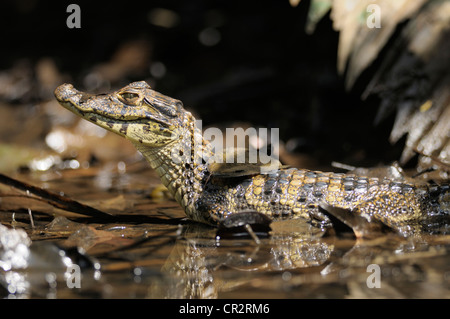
pixel 65 91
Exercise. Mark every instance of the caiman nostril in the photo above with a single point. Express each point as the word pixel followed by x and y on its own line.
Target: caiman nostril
pixel 84 98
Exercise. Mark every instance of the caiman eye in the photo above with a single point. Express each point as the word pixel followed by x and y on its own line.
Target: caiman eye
pixel 129 98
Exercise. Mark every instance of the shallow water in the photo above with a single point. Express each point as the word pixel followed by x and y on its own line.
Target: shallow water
pixel 153 251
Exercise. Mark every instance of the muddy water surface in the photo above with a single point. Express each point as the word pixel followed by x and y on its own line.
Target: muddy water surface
pixel 152 251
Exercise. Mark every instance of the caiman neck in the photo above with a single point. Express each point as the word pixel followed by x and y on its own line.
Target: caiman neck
pixel 181 165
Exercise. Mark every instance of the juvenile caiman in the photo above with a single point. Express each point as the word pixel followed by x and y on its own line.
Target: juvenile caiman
pixel 166 134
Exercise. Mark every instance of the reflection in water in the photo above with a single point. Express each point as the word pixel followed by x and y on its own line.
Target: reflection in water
pixel 191 262
pixel 201 265
pixel 302 265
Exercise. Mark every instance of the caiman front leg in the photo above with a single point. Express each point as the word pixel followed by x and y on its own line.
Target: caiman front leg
pixel 231 221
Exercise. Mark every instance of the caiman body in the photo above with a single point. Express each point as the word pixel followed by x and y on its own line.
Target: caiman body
pixel 166 134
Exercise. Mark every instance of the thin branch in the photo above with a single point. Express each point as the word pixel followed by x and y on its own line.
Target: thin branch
pixel 55 199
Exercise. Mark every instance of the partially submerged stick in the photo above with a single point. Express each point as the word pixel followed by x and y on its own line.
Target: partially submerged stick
pixel 54 199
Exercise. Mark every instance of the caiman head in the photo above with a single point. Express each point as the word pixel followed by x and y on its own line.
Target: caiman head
pixel 135 112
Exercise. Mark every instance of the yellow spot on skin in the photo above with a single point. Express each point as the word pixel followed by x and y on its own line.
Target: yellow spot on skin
pixel 324 179
pixel 258 180
pixel 330 198
pixel 283 188
pixel 257 190
pixel 295 182
pixel 334 187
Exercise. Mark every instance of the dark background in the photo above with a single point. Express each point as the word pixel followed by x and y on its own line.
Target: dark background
pixel 265 70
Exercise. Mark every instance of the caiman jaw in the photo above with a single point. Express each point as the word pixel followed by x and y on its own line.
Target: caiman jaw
pixel 136 112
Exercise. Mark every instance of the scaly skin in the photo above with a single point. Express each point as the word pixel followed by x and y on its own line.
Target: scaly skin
pixel 166 135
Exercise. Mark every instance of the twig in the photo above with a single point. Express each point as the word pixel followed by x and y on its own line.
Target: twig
pixel 55 199
pixel 31 218
pixel 252 234
pixel 342 166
